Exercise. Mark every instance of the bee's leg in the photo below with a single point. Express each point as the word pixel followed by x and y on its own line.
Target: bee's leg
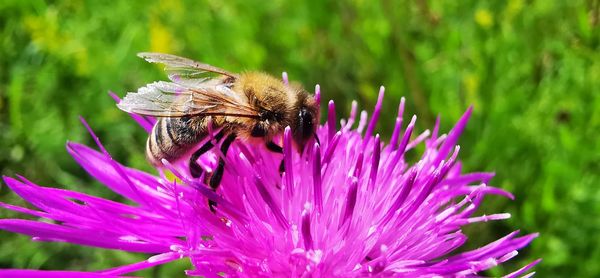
pixel 195 169
pixel 215 179
pixel 277 149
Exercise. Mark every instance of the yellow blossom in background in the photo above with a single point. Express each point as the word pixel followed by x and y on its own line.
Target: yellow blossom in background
pixel 484 18
pixel 160 38
pixel 471 85
pixel 47 35
pixel 513 8
pixel 44 31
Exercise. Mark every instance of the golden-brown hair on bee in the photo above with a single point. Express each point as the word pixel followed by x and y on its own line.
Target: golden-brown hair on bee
pixel 251 106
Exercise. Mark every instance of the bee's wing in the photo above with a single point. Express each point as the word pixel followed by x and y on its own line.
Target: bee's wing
pixel 167 99
pixel 183 70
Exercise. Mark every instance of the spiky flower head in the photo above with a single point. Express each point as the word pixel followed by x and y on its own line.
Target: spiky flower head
pixel 348 206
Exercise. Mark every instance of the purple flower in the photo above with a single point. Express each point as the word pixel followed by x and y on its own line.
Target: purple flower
pixel 349 206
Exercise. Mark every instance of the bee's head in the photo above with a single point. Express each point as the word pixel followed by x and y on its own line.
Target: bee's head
pixel 305 124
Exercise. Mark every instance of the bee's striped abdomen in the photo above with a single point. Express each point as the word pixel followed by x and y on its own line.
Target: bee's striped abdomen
pixel 170 139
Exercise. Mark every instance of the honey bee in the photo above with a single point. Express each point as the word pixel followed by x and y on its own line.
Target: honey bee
pixel 251 106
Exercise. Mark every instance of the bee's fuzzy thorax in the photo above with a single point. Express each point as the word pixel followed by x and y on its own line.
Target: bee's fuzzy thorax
pixel 276 101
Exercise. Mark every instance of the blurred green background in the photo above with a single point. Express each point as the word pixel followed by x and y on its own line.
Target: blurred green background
pixel 530 68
